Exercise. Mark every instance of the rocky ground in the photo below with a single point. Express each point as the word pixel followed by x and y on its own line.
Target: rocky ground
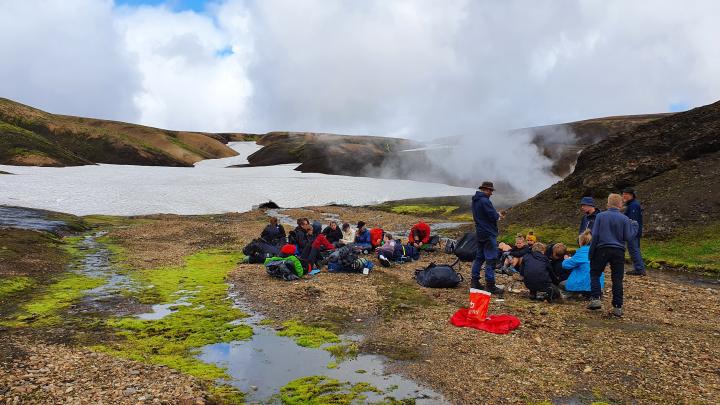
pixel 663 351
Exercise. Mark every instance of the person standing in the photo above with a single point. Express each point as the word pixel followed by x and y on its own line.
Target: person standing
pixel 587 206
pixel 633 210
pixel 486 229
pixel 610 233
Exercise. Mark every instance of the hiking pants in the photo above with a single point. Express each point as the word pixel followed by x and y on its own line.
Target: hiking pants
pixel 598 261
pixel 633 247
pixel 487 252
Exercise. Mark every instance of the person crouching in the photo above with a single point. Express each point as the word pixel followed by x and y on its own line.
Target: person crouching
pixel 537 274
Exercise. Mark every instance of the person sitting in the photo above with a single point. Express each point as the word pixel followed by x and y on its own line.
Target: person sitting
pixel 299 236
pixel 348 235
pixel 420 236
pixel 274 233
pixel 556 252
pixel 531 239
pixel 513 256
pixel 579 266
pixel 362 237
pixel 537 274
pixel 333 233
pixel 386 251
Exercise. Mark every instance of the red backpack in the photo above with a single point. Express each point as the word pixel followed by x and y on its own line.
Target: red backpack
pixel 376 237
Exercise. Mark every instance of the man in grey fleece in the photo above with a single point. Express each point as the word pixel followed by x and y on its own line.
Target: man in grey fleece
pixel 610 234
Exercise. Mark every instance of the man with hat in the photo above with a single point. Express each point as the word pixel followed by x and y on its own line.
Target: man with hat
pixel 633 210
pixel 486 229
pixel 587 206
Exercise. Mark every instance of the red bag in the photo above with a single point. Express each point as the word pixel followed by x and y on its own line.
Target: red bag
pixel 376 237
pixel 499 324
pixel 479 302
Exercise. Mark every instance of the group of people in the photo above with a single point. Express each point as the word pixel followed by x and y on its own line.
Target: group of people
pixel 547 271
pixel 313 244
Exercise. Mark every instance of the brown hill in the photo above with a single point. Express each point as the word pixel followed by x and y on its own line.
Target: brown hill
pixel 672 162
pixel 29 136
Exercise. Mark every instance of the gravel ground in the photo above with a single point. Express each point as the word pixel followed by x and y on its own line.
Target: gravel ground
pixel 56 374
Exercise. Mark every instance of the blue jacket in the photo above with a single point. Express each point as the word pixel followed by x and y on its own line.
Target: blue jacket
pixel 588 221
pixel 579 266
pixel 363 237
pixel 485 215
pixel 634 211
pixel 612 229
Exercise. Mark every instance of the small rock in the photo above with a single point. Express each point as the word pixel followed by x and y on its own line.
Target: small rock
pixel 588 369
pixel 358 320
pixel 253 388
pixel 129 391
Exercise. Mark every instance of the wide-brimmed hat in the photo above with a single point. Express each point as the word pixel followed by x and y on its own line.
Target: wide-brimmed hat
pixel 629 190
pixel 488 185
pixel 587 201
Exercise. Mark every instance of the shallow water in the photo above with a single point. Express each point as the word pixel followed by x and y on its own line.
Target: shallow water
pixel 205 189
pixel 267 362
pixel 22 218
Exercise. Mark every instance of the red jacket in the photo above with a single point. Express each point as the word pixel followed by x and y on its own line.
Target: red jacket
pixel 322 241
pixel 422 230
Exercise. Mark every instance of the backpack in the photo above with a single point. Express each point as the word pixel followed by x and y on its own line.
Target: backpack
pixel 258 250
pixel 376 234
pixel 405 253
pixel 466 247
pixel 281 269
pixel 342 259
pixel 450 246
pixel 439 276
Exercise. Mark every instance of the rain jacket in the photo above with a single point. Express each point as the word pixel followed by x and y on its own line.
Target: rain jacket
pixel 333 236
pixel 321 241
pixel 579 266
pixel 273 234
pixel 537 272
pixel 485 215
pixel 363 238
pixel 588 221
pixel 612 229
pixel 422 230
pixel 634 211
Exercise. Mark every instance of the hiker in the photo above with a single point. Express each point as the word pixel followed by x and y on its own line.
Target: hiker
pixel 419 234
pixel 587 206
pixel 486 230
pixel 556 252
pixel 538 275
pixel 348 233
pixel 274 233
pixel 531 239
pixel 319 246
pixel 579 266
pixel 513 255
pixel 298 236
pixel 333 233
pixel 634 211
pixel 611 232
pixel 362 237
pixel 386 251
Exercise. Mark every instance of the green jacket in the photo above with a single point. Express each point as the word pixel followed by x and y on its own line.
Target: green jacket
pixel 295 261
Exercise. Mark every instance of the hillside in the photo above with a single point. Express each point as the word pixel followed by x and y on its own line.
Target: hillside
pixel 672 162
pixel 32 137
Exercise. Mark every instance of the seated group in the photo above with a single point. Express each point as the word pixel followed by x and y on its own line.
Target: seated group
pixel 308 247
pixel 547 271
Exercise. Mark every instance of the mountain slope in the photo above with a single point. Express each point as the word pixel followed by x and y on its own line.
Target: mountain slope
pixel 672 162
pixel 29 136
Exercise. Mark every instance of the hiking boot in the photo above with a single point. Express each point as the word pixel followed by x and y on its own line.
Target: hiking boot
pixel 617 312
pixel 475 283
pixel 595 305
pixel 635 273
pixel 494 289
pixel 384 261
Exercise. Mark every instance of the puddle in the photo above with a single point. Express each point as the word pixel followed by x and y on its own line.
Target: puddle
pixel 25 218
pixel 159 311
pixel 267 362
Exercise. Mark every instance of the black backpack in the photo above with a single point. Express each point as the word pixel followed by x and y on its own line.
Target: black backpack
pixel 258 250
pixel 281 269
pixel 439 276
pixel 466 247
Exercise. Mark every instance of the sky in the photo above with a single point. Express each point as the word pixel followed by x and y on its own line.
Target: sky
pixel 421 69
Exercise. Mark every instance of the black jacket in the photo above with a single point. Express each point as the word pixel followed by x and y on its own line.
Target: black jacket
pixel 333 236
pixel 274 234
pixel 536 271
pixel 519 252
pixel 558 271
pixel 298 237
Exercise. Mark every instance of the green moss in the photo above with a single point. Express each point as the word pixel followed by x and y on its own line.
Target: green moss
pixel 545 234
pixel 424 209
pixel 12 285
pixel 399 296
pixel 319 390
pixel 44 310
pixel 332 365
pixel 175 339
pixel 694 248
pixel 344 352
pixel 225 394
pixel 308 336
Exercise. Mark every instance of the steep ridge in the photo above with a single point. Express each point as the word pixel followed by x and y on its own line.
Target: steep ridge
pixel 672 162
pixel 32 137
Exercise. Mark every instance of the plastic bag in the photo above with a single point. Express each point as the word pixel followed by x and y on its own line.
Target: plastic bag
pixel 479 303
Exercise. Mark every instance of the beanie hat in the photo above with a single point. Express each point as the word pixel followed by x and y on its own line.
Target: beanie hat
pixel 288 250
pixel 531 237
